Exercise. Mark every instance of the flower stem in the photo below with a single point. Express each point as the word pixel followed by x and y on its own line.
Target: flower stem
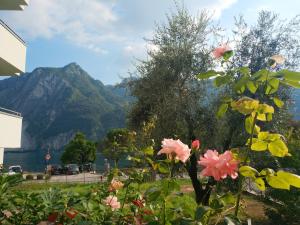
pixel 123 203
pixel 241 179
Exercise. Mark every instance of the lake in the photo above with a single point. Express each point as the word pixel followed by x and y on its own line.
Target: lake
pixel 34 161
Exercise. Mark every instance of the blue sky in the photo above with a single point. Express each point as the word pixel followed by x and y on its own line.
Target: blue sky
pixel 106 36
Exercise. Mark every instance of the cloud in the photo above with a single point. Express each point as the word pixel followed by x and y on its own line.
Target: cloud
pixel 83 23
pixel 220 6
pixel 97 25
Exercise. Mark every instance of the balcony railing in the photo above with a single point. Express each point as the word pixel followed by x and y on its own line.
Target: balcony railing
pixel 13 4
pixel 12 52
pixel 11 31
pixel 10 112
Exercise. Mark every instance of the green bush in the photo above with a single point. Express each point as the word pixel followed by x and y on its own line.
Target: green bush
pixel 40 177
pixel 29 177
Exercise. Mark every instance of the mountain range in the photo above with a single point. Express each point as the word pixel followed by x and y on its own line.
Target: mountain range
pixel 58 102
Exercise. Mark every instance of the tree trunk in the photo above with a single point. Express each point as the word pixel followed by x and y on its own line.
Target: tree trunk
pixel 202 194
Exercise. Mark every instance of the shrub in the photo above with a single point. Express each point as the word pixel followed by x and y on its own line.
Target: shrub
pixel 47 177
pixel 40 177
pixel 29 177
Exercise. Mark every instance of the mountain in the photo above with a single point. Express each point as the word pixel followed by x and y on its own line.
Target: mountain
pixel 58 102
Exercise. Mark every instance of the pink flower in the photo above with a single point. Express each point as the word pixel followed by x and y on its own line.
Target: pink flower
pixel 115 185
pixel 112 201
pixel 196 144
pixel 219 52
pixel 175 147
pixel 219 166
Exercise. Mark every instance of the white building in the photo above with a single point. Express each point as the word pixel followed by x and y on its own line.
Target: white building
pixel 12 63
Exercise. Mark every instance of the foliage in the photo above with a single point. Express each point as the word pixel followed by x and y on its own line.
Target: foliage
pixel 165 87
pixel 254 45
pixel 289 210
pixel 256 113
pixel 117 144
pixel 79 150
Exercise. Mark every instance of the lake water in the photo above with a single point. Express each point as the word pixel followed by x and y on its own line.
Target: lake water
pixel 34 161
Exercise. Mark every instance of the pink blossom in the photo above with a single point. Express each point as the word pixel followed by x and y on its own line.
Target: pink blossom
pixel 218 165
pixel 112 201
pixel 196 144
pixel 219 52
pixel 175 148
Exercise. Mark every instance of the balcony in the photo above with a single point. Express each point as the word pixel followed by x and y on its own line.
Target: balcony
pixel 12 52
pixel 10 129
pixel 13 4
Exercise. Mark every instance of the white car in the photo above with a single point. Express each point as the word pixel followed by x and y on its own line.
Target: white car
pixel 12 170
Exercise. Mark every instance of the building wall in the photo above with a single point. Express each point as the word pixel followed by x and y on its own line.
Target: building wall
pixel 10 130
pixel 12 50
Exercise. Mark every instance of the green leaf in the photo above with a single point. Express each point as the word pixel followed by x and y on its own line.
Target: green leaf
pixel 274 137
pixel 227 99
pixel 251 87
pixel 130 158
pixel 148 150
pixel 289 75
pixel 265 108
pixel 244 70
pixel 273 85
pixel 245 105
pixel 152 193
pixel 277 182
pixel 168 186
pixel 294 84
pixel 248 171
pixel 263 135
pixel 222 80
pixel 292 179
pixel 222 110
pixel 261 75
pixel 248 124
pixel 260 184
pixel 266 172
pixel 269 117
pixel 278 102
pixel 201 211
pixel 227 55
pixel 259 145
pixel 278 148
pixel 208 74
pixel 261 117
pixel 228 199
pixel 163 168
pixel 241 83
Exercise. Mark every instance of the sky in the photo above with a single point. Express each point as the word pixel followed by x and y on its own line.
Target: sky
pixel 106 37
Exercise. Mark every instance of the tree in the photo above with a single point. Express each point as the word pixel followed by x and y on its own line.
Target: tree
pixel 253 45
pixel 117 144
pixel 79 150
pixel 165 86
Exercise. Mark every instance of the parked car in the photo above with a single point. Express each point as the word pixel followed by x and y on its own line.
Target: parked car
pixel 56 170
pixel 12 170
pixel 88 167
pixel 71 169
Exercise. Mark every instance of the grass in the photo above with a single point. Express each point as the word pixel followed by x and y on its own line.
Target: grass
pixel 252 207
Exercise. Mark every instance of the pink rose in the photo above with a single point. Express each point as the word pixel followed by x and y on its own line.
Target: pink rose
pixel 175 148
pixel 115 185
pixel 112 201
pixel 220 51
pixel 219 166
pixel 196 144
